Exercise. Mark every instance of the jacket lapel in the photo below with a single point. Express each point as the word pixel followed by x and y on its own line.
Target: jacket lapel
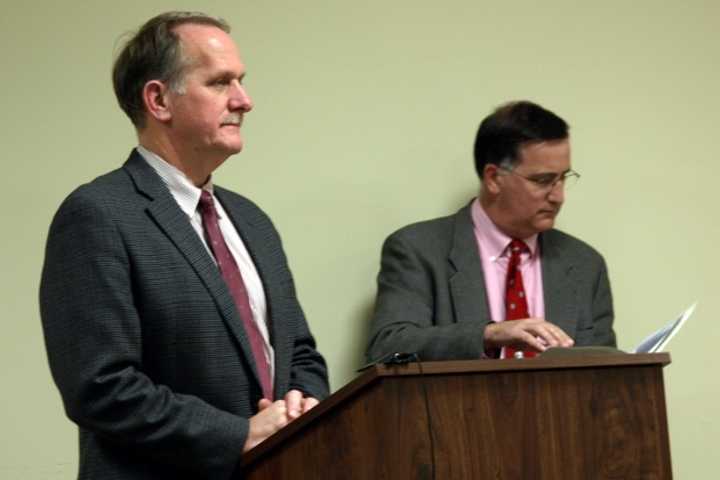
pixel 558 285
pixel 262 250
pixel 175 225
pixel 467 284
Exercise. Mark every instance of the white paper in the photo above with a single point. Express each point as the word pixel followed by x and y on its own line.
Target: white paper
pixel 659 339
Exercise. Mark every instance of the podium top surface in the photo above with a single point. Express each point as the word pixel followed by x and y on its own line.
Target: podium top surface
pixel 560 360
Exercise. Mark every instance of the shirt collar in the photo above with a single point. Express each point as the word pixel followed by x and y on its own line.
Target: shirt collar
pixel 491 235
pixel 185 193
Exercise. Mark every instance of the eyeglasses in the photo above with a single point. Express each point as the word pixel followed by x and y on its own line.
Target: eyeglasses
pixel 547 181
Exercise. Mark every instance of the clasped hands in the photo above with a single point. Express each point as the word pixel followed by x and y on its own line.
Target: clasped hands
pixel 528 333
pixel 272 416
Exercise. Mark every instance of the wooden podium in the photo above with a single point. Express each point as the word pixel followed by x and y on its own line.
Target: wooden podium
pixel 567 417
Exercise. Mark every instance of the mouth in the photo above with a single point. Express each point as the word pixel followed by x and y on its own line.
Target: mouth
pixel 549 212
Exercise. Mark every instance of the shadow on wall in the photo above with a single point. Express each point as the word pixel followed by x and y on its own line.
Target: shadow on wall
pixel 363 321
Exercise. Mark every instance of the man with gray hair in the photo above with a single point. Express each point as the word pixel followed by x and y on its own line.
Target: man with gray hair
pixel 171 321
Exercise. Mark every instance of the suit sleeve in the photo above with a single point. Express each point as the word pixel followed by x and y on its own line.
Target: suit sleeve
pixel 405 310
pixel 308 371
pixel 602 308
pixel 94 339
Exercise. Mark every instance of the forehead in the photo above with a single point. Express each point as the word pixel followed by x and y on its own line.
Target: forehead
pixel 207 45
pixel 548 156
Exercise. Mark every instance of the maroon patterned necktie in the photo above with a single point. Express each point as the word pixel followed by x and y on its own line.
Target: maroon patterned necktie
pixel 516 306
pixel 233 279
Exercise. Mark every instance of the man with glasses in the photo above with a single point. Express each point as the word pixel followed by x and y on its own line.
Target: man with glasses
pixel 495 279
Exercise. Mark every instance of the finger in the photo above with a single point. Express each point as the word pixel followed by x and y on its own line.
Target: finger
pixel 535 334
pixel 547 336
pixel 293 403
pixel 529 340
pixel 553 335
pixel 263 404
pixel 564 339
pixel 309 403
pixel 280 417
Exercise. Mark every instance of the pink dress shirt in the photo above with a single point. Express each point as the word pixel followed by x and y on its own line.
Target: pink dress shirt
pixel 492 246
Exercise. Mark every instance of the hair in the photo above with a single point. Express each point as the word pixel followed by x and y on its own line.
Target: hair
pixel 154 53
pixel 512 126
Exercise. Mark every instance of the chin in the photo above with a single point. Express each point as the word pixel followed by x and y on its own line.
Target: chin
pixel 544 225
pixel 543 222
pixel 230 142
pixel 233 148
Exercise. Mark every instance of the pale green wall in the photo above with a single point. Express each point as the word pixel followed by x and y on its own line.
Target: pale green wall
pixel 364 120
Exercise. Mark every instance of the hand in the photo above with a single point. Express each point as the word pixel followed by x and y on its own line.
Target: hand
pixel 272 416
pixel 528 333
pixel 297 405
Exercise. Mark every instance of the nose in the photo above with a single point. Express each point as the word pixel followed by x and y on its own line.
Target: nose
pixel 239 98
pixel 557 192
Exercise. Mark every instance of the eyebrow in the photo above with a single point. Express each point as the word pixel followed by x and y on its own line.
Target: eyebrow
pixel 552 173
pixel 228 74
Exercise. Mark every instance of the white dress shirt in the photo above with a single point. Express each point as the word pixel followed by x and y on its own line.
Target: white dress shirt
pixel 187 196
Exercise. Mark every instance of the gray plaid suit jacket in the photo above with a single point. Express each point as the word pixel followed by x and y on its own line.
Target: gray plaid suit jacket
pixel 431 296
pixel 143 338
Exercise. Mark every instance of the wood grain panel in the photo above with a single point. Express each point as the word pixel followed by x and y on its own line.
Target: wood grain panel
pixel 561 419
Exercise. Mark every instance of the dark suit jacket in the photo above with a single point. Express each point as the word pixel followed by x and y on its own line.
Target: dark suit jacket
pixel 144 340
pixel 431 291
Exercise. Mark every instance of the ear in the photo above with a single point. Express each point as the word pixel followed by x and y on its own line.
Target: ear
pixel 491 178
pixel 155 98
